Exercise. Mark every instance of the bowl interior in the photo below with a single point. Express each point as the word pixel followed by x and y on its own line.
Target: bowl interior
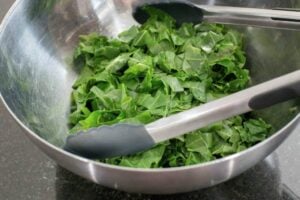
pixel 38 38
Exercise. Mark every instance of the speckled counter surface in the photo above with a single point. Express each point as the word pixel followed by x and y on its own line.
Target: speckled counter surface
pixel 27 174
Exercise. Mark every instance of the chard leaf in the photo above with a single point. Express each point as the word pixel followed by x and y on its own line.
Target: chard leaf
pixel 129 35
pixel 156 70
pixel 93 120
pixel 200 143
pixel 166 61
pixel 173 83
pixel 147 159
pixel 118 63
pixel 159 100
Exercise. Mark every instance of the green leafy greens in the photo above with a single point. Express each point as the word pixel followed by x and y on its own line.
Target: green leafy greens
pixel 158 69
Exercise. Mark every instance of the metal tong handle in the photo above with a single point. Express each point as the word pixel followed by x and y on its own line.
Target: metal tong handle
pixel 268 18
pixel 284 14
pixel 257 97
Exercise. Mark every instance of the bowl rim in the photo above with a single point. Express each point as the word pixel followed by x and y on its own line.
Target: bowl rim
pixel 52 147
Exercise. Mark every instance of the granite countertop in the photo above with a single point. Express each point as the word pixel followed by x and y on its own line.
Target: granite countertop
pixel 27 174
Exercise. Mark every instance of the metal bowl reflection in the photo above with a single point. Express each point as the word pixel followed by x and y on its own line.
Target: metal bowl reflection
pixel 37 39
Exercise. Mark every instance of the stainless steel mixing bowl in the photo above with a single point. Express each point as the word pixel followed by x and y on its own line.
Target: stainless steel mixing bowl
pixel 37 39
